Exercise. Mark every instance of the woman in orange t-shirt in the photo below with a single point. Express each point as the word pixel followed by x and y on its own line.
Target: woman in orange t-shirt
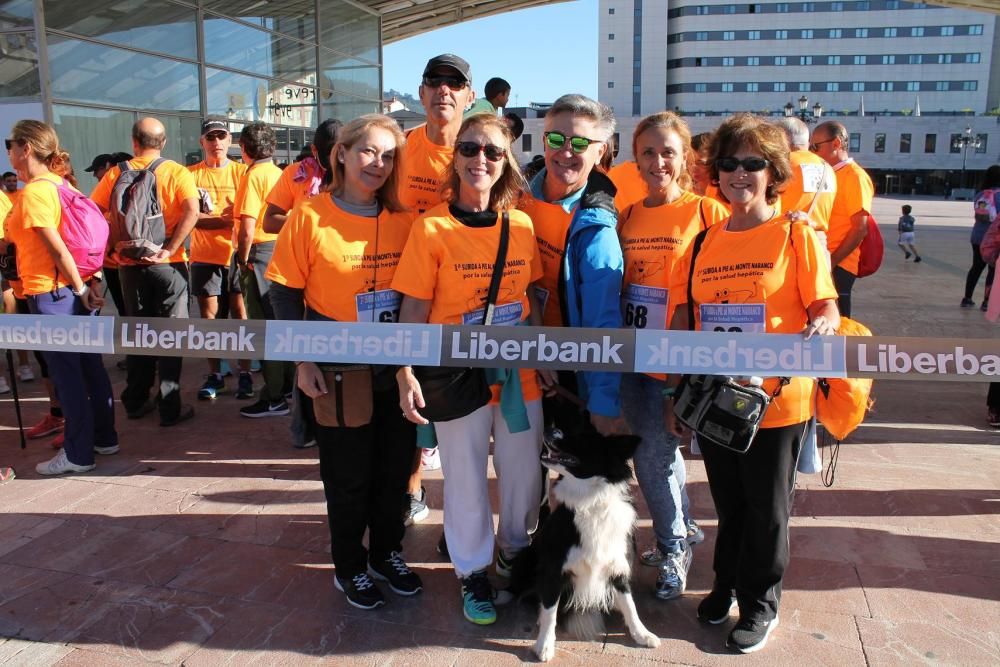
pixel 53 286
pixel 757 273
pixel 445 274
pixel 334 259
pixel 654 233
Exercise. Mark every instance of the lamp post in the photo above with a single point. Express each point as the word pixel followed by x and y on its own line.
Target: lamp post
pixel 963 141
pixel 803 114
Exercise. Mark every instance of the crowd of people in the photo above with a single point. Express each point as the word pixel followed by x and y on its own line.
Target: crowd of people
pixel 440 225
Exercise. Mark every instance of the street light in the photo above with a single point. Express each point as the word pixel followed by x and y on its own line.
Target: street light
pixel 963 141
pixel 803 114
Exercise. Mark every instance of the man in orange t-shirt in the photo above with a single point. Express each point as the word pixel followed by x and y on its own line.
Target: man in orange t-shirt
pixel 813 185
pixel 216 287
pixel 851 208
pixel 156 286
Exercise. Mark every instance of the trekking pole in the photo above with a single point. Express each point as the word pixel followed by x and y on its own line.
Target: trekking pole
pixel 17 399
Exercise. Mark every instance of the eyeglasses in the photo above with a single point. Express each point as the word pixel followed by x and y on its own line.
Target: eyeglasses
pixel 453 82
pixel 556 140
pixel 216 136
pixel 815 147
pixel 749 164
pixel 472 149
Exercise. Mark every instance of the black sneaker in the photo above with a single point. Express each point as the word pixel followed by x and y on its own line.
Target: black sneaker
pixel 393 570
pixel 967 303
pixel 750 635
pixel 917 260
pixel 907 255
pixel 695 535
pixel 716 606
pixel 361 592
pixel 265 408
pixel 417 510
pixel 244 388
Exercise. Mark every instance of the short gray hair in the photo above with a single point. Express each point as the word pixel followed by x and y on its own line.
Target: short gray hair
pixel 581 105
pixel 795 130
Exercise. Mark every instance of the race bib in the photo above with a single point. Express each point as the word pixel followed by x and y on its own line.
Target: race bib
pixel 504 315
pixel 644 307
pixel 380 306
pixel 733 317
pixel 812 178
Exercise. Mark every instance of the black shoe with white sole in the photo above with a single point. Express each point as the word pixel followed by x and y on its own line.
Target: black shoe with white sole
pixel 394 571
pixel 361 591
pixel 265 408
pixel 751 635
pixel 716 606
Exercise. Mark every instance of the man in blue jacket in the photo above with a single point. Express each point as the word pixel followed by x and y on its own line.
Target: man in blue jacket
pixel 572 207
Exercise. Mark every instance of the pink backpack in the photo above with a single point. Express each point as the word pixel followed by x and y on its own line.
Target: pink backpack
pixel 83 229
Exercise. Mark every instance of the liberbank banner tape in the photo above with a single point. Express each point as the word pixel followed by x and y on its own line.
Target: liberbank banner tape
pixel 616 350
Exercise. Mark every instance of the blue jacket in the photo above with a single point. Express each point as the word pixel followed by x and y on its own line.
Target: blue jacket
pixel 593 268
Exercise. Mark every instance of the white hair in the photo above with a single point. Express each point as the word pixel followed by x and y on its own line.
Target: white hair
pixel 581 105
pixel 795 130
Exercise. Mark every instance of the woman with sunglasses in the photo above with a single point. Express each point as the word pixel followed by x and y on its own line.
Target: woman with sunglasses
pixel 53 286
pixel 756 272
pixel 445 274
pixel 351 237
pixel 655 232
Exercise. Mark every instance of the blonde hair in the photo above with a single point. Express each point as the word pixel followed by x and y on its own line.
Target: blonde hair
pixel 668 120
pixel 507 190
pixel 44 144
pixel 352 133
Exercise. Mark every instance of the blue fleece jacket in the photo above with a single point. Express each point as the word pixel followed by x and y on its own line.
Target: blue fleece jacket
pixel 593 267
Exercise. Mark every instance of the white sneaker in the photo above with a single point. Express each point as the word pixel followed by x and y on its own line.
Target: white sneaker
pixel 4 387
pixel 25 373
pixel 107 450
pixel 430 459
pixel 59 465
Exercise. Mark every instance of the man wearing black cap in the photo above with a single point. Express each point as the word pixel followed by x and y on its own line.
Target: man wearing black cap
pixel 213 280
pixel 100 165
pixel 445 92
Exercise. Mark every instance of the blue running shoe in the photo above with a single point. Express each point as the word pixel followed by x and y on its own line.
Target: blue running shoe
pixel 213 385
pixel 477 599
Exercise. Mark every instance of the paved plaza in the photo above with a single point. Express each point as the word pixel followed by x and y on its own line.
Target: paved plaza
pixel 207 544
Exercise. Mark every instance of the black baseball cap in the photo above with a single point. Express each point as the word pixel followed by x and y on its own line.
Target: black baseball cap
pixel 213 125
pixel 452 61
pixel 101 160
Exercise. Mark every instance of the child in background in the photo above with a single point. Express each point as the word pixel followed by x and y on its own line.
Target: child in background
pixel 906 235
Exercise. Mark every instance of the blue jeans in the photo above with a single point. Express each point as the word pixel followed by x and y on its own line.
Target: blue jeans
pixel 81 384
pixel 659 466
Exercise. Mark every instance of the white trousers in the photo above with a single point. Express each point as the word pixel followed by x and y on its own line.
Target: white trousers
pixel 468 514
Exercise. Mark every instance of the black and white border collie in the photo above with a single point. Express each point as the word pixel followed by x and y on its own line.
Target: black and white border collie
pixel 580 561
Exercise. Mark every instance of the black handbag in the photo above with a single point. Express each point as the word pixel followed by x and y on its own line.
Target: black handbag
pixel 8 263
pixel 453 393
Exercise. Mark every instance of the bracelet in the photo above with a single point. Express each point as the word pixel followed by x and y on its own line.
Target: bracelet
pixel 83 290
pixel 668 392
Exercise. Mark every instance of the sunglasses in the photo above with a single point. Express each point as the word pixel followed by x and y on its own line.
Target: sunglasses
pixel 216 136
pixel 472 149
pixel 9 143
pixel 556 140
pixel 749 164
pixel 815 147
pixel 453 82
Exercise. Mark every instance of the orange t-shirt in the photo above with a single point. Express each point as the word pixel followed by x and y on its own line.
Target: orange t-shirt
pixel 764 279
pixel 421 171
pixel 12 196
pixel 451 264
pixel 288 192
pixel 37 207
pixel 251 197
pixel 174 185
pixel 812 178
pixel 628 180
pixel 321 246
pixel 854 194
pixel 215 246
pixel 551 222
pixel 712 192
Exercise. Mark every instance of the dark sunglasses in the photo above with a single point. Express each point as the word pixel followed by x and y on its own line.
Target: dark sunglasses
pixel 472 149
pixel 556 140
pixel 9 143
pixel 815 147
pixel 216 136
pixel 453 82
pixel 748 164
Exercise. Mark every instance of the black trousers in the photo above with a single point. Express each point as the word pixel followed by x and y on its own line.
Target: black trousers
pixel 843 280
pixel 365 472
pixel 753 498
pixel 976 270
pixel 114 283
pixel 993 396
pixel 158 290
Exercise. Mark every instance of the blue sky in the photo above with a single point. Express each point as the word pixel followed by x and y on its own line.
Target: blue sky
pixel 543 52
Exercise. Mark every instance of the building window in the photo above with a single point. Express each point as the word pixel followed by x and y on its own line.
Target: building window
pixel 880 142
pixel 886 86
pixel 930 143
pixel 889 32
pixel 754 8
pixel 636 64
pixel 728 35
pixel 611 59
pixel 637 38
pixel 781 34
pixel 861 32
pixel 944 59
pixel 981 139
pixel 701 36
pixel 611 10
pixel 753 34
pixel 832 86
pixel 969 85
pixel 972 57
pixel 975 29
pixel 947 30
pixel 858 87
pixel 806 34
pixel 700 87
pixel 940 85
pixel 917 31
pixel 889 60
pixel 833 60
pixel 912 86
pixel 611 36
pixel 860 60
pixel 701 62
pixel 779 86
pixel 701 10
pixel 611 84
pixel 862 5
pixel 526 143
pixel 836 6
pixel 805 87
pixel 836 33
pixel 781 8
pixel 636 89
pixel 728 61
pixel 805 60
pixel 781 60
pixel 955 146
pixel 753 61
pixel 729 9
pixel 916 58
pixel 753 87
pixel 855 142
pixel 727 87
pixel 892 4
pixel 904 143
